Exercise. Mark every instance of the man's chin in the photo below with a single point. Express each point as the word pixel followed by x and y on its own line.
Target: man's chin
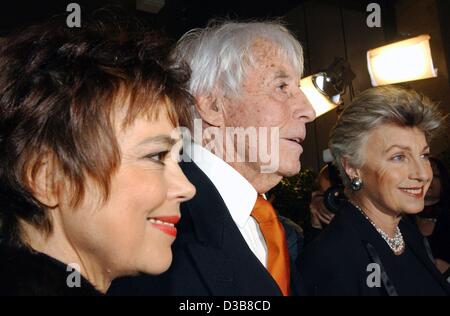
pixel 289 171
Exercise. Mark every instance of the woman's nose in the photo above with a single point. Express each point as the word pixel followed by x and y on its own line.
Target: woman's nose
pixel 421 171
pixel 180 187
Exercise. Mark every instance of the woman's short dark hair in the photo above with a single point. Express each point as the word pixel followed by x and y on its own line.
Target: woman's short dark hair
pixel 59 87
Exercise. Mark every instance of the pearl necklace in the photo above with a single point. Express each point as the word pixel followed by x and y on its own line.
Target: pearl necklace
pixel 396 243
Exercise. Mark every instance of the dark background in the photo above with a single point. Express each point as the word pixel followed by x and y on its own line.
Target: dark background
pixel 326 29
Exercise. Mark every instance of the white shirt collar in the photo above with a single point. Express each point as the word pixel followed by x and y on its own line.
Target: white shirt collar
pixel 237 193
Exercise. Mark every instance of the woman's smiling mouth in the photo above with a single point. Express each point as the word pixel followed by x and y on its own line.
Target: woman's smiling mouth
pixel 414 192
pixel 165 223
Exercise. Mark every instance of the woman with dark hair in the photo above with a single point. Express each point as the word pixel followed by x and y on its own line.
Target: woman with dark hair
pixel 90 185
pixel 380 146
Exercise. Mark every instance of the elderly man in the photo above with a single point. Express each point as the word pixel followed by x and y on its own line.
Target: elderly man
pixel 245 78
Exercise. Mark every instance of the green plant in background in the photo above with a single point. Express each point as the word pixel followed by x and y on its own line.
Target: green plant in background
pixel 291 197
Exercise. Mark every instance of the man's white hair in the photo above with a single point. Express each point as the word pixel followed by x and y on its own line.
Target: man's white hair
pixel 220 53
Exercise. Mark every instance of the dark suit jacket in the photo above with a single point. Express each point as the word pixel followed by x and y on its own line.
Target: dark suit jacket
pixel 210 256
pixel 336 262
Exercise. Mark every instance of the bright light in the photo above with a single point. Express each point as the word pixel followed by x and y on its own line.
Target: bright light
pixel 402 61
pixel 319 102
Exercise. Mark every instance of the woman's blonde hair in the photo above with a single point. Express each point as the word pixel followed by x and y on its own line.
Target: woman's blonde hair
pixel 371 109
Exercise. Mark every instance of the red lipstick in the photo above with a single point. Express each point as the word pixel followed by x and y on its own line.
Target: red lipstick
pixel 166 224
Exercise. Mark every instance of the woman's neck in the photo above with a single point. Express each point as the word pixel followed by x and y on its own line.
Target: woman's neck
pixel 58 246
pixel 386 220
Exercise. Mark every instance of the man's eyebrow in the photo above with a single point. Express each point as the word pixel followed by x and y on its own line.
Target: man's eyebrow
pixel 404 147
pixel 159 139
pixel 280 74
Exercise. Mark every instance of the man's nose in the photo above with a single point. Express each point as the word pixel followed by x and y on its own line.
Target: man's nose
pixel 303 108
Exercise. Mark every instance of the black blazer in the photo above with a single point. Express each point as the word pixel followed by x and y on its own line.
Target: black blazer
pixel 336 262
pixel 210 256
pixel 26 272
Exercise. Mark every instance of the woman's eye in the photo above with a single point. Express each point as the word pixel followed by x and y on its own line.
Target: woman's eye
pixel 398 157
pixel 158 157
pixel 426 156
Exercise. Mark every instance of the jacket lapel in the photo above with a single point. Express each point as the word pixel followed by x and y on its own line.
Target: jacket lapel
pixel 220 253
pixel 419 246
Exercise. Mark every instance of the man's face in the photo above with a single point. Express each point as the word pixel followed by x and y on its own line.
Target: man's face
pixel 270 97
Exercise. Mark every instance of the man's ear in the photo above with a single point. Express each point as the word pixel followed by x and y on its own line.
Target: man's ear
pixel 350 170
pixel 210 109
pixel 43 182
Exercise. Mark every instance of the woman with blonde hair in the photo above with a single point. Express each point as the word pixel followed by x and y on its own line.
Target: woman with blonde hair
pixel 380 145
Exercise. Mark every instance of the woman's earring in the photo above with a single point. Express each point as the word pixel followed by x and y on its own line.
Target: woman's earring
pixel 356 184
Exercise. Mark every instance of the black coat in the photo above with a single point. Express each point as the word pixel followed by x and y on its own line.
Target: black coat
pixel 336 262
pixel 440 238
pixel 210 256
pixel 25 272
